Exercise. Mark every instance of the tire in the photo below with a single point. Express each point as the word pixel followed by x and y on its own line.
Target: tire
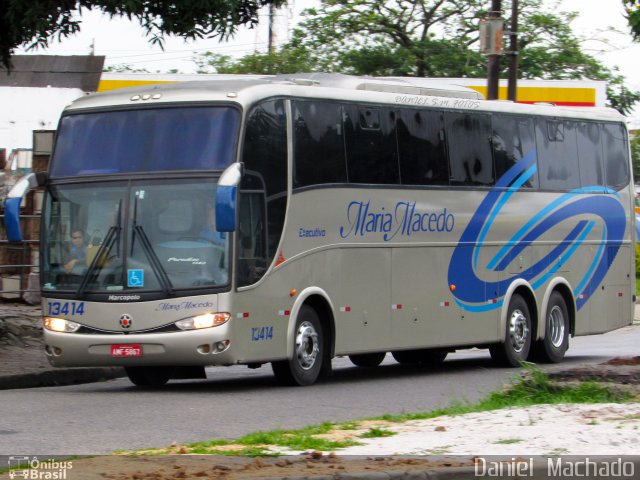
pixel 514 350
pixel 367 360
pixel 149 376
pixel 552 348
pixel 407 357
pixel 425 356
pixel 308 352
pixel 433 356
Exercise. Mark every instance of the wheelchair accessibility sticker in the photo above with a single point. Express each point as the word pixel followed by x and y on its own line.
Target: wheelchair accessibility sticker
pixel 135 278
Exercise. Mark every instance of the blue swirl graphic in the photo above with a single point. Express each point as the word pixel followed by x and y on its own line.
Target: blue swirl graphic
pixel 472 293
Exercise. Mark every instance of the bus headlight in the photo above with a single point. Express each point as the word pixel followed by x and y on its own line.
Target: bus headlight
pixel 60 325
pixel 206 320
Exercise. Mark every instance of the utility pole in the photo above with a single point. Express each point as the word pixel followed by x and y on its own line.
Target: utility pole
pixel 493 58
pixel 513 53
pixel 272 33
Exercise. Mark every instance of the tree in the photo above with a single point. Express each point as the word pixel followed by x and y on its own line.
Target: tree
pixel 36 22
pixel 434 38
pixel 633 16
pixel 635 154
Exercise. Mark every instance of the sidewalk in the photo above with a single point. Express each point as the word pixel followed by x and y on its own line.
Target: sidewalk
pixel 23 363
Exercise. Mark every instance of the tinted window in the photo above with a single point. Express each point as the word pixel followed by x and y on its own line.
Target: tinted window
pixel 589 137
pixel 198 138
pixel 512 139
pixel 616 160
pixel 557 154
pixel 265 153
pixel 469 148
pixel 319 144
pixel 371 145
pixel 422 149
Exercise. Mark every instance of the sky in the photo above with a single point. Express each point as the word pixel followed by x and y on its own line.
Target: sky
pixel 123 41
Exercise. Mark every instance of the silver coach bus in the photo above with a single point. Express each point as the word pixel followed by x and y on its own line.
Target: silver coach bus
pixel 291 219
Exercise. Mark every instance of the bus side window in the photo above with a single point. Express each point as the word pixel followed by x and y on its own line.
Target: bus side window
pixel 590 154
pixel 422 148
pixel 370 138
pixel 252 238
pixel 318 144
pixel 265 153
pixel 470 148
pixel 512 138
pixel 557 154
pixel 616 159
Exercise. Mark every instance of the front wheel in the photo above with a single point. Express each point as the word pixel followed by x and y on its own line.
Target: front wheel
pixel 517 343
pixel 149 376
pixel 308 352
pixel 552 348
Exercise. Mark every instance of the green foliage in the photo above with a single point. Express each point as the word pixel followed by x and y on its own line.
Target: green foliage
pixel 37 22
pixel 534 389
pixel 375 432
pixel 633 16
pixel 427 38
pixel 635 155
pixel 637 266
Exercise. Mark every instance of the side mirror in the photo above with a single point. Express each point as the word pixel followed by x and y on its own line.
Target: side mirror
pixel 13 201
pixel 226 198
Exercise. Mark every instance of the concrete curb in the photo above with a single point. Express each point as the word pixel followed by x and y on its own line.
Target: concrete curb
pixel 59 377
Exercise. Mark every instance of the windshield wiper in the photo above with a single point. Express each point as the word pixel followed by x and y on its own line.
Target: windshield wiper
pixel 113 235
pixel 147 247
pixel 100 257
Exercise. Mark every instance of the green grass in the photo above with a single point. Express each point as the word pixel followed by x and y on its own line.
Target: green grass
pixel 256 444
pixel 508 441
pixel 377 433
pixel 638 285
pixel 534 389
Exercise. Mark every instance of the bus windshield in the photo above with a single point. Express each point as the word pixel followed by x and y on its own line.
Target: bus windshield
pixel 151 235
pixel 155 139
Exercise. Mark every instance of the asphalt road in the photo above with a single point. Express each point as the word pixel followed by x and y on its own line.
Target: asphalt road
pixel 102 417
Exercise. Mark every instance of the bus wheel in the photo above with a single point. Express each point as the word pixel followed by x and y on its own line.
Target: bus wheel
pixel 308 351
pixel 149 376
pixel 407 357
pixel 425 356
pixel 515 348
pixel 367 359
pixel 433 356
pixel 556 338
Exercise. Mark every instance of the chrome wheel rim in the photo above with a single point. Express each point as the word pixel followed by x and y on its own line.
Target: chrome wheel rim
pixel 307 347
pixel 556 326
pixel 518 330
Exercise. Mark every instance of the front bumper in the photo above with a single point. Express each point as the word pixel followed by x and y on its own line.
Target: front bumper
pixel 194 347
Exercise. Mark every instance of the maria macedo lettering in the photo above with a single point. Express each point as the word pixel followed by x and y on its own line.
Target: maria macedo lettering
pixel 403 220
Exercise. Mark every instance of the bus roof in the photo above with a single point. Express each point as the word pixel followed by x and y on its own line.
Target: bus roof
pixel 246 90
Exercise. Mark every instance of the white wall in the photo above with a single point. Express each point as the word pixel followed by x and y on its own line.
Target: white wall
pixel 23 110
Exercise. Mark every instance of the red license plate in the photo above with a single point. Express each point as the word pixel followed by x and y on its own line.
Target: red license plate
pixel 129 350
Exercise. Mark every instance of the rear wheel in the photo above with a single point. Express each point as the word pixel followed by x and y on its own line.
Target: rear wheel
pixel 308 352
pixel 517 344
pixel 367 359
pixel 149 376
pixel 552 348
